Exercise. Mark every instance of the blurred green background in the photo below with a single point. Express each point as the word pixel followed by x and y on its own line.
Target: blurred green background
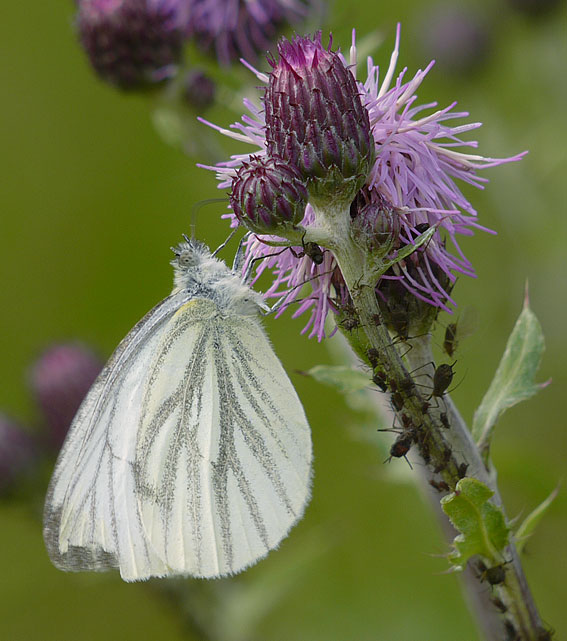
pixel 91 200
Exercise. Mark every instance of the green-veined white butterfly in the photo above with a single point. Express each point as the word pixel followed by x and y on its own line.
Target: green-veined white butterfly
pixel 191 454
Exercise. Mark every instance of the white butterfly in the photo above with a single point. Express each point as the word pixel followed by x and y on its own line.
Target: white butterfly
pixel 191 454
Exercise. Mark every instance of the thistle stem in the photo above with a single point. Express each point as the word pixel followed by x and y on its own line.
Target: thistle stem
pixel 450 453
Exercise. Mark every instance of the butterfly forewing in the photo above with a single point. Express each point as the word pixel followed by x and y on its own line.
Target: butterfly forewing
pixel 91 520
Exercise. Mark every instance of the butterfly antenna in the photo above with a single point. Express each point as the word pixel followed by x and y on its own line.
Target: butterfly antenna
pixel 223 245
pixel 240 258
pixel 197 208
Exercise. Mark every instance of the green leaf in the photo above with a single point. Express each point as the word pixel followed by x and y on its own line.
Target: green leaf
pixel 481 524
pixel 346 379
pixel 529 524
pixel 514 379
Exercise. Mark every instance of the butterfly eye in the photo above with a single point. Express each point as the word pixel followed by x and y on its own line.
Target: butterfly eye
pixel 186 259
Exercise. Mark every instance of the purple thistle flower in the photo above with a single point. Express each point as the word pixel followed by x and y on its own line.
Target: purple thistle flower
pixel 60 379
pixel 241 27
pixel 415 171
pixel 133 43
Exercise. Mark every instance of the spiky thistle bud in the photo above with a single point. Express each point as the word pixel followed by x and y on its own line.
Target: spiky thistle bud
pixel 405 314
pixel 18 452
pixel 133 43
pixel 267 194
pixel 315 119
pixel 375 225
pixel 59 380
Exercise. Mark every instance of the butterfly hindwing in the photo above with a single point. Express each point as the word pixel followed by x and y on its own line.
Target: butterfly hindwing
pixel 224 449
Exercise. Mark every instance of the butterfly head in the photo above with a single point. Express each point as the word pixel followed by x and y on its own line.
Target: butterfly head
pixel 198 271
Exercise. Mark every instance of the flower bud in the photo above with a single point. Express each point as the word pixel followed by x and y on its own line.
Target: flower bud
pixel 18 452
pixel 375 226
pixel 315 119
pixel 60 379
pixel 268 193
pixel 409 312
pixel 133 44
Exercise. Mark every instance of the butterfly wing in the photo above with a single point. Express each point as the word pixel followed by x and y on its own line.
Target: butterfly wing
pixel 190 455
pixel 224 448
pixel 91 517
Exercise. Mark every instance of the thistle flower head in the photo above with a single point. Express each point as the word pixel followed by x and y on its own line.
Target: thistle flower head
pixel 242 27
pixel 59 380
pixel 375 224
pixel 315 119
pixel 133 43
pixel 268 193
pixel 416 170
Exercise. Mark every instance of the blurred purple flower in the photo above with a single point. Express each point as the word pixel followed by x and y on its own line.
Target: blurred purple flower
pixel 18 452
pixel 133 43
pixel 198 90
pixel 417 164
pixel 242 27
pixel 458 38
pixel 59 381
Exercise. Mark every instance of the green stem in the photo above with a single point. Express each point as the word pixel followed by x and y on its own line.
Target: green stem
pixel 449 453
pixel 514 592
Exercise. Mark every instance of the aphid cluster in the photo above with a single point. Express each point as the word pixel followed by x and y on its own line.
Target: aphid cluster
pixel 410 433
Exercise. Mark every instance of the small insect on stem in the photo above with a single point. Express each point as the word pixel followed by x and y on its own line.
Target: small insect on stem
pixel 440 486
pixel 349 320
pixel 462 470
pixel 380 380
pixel 442 378
pixel 312 250
pixel 400 447
pixel 494 575
pixel 450 339
pixel 397 401
pixel 511 632
pixel 498 603
pixel 445 458
pixel 373 357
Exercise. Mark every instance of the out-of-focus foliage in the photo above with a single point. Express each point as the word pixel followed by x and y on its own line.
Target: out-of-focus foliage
pixel 92 199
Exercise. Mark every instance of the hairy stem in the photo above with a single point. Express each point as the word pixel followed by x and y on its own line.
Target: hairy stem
pixel 449 454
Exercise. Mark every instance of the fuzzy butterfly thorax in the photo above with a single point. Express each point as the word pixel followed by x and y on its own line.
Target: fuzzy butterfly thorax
pixel 202 275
